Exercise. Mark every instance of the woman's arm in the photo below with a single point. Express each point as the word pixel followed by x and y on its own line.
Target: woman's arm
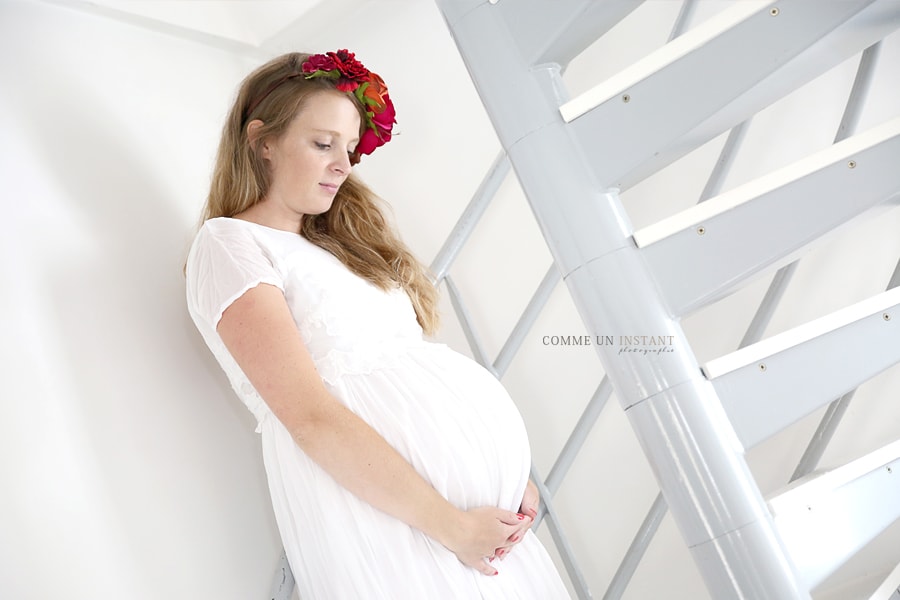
pixel 262 337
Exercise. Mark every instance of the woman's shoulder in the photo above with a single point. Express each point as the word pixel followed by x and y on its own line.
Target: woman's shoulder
pixel 225 260
pixel 239 239
pixel 231 230
pixel 226 226
pixel 227 240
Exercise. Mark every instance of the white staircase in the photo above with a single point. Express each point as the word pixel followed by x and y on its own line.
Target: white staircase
pixel 573 156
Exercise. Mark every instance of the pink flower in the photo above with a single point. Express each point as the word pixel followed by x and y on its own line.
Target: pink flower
pixel 379 133
pixel 386 118
pixel 368 142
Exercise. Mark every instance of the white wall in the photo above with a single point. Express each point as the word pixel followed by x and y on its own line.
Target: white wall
pixel 128 468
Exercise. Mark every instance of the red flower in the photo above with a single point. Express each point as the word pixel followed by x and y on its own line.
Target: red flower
pixel 346 85
pixel 318 62
pixel 343 55
pixel 349 67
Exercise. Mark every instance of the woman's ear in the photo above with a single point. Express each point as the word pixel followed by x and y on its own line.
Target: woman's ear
pixel 253 129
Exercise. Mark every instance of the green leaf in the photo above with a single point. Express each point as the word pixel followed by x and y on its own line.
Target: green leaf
pixel 332 74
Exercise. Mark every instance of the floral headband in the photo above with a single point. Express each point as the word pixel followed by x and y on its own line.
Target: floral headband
pixel 352 77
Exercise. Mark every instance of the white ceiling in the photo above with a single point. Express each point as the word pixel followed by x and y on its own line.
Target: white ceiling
pixel 248 21
pixel 247 24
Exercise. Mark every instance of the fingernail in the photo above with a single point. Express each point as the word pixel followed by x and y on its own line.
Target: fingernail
pixel 491 559
pixel 514 538
pixel 520 516
pixel 495 573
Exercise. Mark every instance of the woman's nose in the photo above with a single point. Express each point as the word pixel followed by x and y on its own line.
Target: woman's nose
pixel 342 163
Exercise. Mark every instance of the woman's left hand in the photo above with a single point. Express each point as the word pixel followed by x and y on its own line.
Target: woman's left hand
pixel 528 512
pixel 531 501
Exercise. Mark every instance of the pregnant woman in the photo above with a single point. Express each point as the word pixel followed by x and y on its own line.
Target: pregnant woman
pixel 398 469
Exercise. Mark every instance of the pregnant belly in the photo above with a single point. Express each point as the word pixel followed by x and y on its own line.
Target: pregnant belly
pixel 451 419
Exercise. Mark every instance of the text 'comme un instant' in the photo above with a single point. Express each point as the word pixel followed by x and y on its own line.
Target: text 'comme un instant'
pixel 643 344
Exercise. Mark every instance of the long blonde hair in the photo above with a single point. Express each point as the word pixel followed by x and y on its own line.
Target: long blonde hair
pixel 354 228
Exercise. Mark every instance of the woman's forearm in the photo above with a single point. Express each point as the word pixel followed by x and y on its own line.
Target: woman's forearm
pixel 359 459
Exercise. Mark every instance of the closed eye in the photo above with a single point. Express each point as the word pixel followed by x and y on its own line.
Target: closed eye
pixel 322 146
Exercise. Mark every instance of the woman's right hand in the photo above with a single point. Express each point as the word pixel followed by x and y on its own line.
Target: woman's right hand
pixel 478 533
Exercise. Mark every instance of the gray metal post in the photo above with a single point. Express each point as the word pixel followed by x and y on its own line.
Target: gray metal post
pixel 675 412
pixel 526 320
pixel 579 434
pixel 469 219
pixel 637 548
pixel 465 320
pixel 282 580
pixel 723 163
pixel 684 15
pixel 821 438
pixel 579 583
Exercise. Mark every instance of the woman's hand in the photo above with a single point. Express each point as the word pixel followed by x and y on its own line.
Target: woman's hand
pixel 479 532
pixel 531 501
pixel 483 534
pixel 528 510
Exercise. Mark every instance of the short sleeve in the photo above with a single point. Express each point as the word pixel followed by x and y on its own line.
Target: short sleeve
pixel 223 263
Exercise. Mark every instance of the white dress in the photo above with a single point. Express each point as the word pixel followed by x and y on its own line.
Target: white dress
pixel 449 417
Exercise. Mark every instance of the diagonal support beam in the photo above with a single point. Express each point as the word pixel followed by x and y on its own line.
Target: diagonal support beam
pixel 526 320
pixel 789 209
pixel 715 76
pixel 769 385
pixel 486 191
pixel 465 321
pixel 827 518
pixel 558 31
pixel 579 583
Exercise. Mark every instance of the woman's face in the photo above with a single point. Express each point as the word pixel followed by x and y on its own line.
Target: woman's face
pixel 310 161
